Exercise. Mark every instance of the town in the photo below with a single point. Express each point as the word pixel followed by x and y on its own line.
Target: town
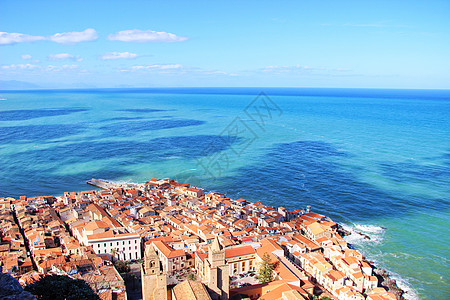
pixel 182 243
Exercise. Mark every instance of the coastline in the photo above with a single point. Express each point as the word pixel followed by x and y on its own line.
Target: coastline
pixel 386 278
pixel 314 223
pixel 373 193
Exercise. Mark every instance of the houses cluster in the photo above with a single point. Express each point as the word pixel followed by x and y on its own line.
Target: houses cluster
pixel 52 246
pixel 13 254
pixel 78 234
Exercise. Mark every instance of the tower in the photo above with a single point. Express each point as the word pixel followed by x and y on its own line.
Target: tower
pixel 217 272
pixel 154 281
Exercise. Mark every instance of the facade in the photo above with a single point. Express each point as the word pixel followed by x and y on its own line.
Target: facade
pixel 216 271
pixel 154 281
pixel 127 246
pixel 171 260
pixel 240 259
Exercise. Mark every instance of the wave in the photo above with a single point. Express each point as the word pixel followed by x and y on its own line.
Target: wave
pixel 403 283
pixel 123 181
pixel 361 234
pixel 375 233
pixel 410 293
pixel 369 228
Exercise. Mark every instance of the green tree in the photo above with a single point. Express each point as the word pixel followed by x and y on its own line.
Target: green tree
pixel 265 269
pixel 113 254
pixel 56 287
pixel 191 276
pixel 122 266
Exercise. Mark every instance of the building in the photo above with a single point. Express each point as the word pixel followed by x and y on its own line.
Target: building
pixel 171 260
pixel 240 259
pixel 188 290
pixel 216 271
pixel 125 246
pixel 154 280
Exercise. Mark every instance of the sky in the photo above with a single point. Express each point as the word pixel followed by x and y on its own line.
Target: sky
pixel 116 44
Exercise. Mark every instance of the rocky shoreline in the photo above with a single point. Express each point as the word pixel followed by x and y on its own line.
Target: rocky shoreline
pixel 388 282
pixel 383 276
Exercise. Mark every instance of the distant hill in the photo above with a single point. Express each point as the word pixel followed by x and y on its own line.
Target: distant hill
pixel 16 85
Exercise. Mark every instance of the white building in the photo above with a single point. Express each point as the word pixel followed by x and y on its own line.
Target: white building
pixel 127 246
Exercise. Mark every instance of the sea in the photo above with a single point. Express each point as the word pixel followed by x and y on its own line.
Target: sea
pixel 377 161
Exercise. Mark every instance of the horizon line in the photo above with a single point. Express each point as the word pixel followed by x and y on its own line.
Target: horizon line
pixel 218 87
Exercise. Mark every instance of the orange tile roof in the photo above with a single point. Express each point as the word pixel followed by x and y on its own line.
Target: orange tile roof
pixel 168 251
pixel 277 293
pixel 49 251
pixel 239 251
pixel 110 235
pixel 93 225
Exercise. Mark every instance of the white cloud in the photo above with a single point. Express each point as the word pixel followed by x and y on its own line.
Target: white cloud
pixel 8 38
pixel 156 67
pixel 118 55
pixel 143 36
pixel 343 70
pixel 49 68
pixel 26 56
pixel 63 56
pixel 176 69
pixel 60 68
pixel 74 36
pixel 286 69
pixel 20 67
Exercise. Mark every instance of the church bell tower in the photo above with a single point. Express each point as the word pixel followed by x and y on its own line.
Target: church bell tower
pixel 154 281
pixel 218 277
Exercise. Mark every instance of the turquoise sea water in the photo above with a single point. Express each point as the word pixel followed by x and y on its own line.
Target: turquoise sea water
pixel 377 161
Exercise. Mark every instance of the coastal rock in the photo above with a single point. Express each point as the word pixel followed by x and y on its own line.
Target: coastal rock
pixel 10 289
pixel 342 232
pixel 379 272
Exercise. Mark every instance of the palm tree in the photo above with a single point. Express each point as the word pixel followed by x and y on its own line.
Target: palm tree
pixel 113 253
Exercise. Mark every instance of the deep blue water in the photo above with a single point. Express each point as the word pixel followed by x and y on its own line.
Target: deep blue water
pixel 371 159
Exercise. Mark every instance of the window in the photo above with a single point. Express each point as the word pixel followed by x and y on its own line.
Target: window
pixel 129 242
pixel 123 243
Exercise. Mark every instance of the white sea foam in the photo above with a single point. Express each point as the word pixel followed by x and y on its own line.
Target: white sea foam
pixel 358 233
pixel 171 157
pixel 376 236
pixel 410 293
pixel 369 228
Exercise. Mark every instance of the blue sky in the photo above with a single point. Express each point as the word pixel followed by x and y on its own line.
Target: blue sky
pixel 362 44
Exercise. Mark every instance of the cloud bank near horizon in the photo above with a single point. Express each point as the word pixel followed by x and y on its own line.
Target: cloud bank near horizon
pixel 74 37
pixel 144 36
